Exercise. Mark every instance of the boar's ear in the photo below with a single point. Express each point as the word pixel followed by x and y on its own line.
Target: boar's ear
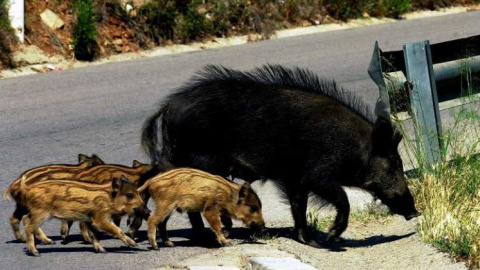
pixel 117 184
pixel 244 190
pixel 383 136
pixel 82 158
pixel 136 164
pixel 97 160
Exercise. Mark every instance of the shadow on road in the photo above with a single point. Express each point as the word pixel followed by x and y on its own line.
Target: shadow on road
pixel 89 249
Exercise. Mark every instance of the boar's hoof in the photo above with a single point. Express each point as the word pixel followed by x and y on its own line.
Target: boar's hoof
pixel 100 249
pixel 130 234
pixel 155 248
pixel 169 243
pixel 225 243
pixel 130 242
pixel 48 241
pixel 21 238
pixel 226 232
pixel 34 253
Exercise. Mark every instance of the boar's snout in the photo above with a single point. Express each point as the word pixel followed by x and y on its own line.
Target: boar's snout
pixel 414 214
pixel 257 227
pixel 142 212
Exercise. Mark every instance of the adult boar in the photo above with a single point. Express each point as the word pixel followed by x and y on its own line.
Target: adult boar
pixel 304 133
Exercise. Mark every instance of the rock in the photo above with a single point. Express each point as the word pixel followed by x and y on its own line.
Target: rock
pixel 128 8
pixel 118 41
pixel 30 55
pixel 51 19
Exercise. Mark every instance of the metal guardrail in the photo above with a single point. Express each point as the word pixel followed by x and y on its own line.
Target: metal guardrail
pixel 411 78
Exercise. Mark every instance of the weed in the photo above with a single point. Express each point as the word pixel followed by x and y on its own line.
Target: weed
pixel 372 212
pixel 85 31
pixel 448 193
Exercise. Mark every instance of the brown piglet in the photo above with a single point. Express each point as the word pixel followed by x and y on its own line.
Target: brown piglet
pixel 192 190
pixel 56 171
pixel 91 203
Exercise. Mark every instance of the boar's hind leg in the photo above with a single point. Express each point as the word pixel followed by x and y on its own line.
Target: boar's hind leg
pixel 298 198
pixel 32 224
pixel 161 214
pixel 15 219
pixel 334 194
pixel 163 232
pixel 39 233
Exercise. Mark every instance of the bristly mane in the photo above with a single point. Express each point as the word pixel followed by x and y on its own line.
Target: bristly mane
pixel 294 78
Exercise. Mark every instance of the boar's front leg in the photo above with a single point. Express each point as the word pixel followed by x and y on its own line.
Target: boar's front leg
pixel 104 223
pixel 94 236
pixel 298 197
pixel 334 194
pixel 227 223
pixel 212 215
pixel 86 232
pixel 65 230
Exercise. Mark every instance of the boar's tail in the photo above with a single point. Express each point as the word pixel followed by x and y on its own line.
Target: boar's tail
pixel 150 135
pixel 22 182
pixel 145 185
pixel 7 192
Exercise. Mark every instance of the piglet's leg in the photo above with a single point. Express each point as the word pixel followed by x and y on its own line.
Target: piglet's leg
pixel 162 211
pixel 213 218
pixel 84 230
pixel 94 232
pixel 64 230
pixel 39 233
pixel 15 219
pixel 32 224
pixel 164 234
pixel 105 224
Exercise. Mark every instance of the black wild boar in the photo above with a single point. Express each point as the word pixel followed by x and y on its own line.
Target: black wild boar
pixel 304 133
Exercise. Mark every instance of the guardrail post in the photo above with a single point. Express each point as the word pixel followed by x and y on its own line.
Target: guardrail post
pixel 423 96
pixel 16 12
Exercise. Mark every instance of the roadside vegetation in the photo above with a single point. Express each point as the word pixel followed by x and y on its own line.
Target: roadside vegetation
pixel 372 212
pixel 99 28
pixel 8 39
pixel 448 193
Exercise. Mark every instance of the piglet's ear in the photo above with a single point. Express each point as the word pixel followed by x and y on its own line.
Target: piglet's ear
pixel 382 136
pixel 136 164
pixel 97 160
pixel 82 158
pixel 117 184
pixel 244 190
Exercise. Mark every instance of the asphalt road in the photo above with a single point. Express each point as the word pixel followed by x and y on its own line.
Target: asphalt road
pixel 50 118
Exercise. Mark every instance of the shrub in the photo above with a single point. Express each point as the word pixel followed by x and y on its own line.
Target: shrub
pixel 190 24
pixel 160 17
pixel 8 39
pixel 85 31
